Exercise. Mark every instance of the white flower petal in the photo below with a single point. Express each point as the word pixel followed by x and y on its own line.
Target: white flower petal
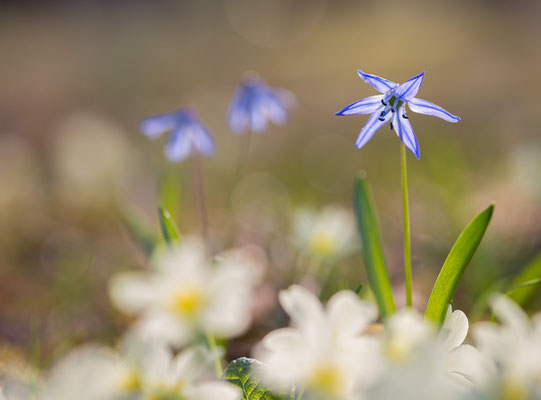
pixel 348 314
pixel 510 314
pixel 161 326
pixel 84 365
pixel 301 305
pixel 284 339
pixel 466 361
pixel 215 391
pixel 454 329
pixel 191 363
pixel 131 292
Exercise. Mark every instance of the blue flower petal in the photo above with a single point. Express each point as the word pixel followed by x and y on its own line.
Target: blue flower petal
pixel 257 117
pixel 371 126
pixel 405 132
pixel 365 106
pixel 409 89
pixel 201 139
pixel 179 146
pixel 238 112
pixel 274 108
pixel 380 84
pixel 156 125
pixel 254 104
pixel 421 106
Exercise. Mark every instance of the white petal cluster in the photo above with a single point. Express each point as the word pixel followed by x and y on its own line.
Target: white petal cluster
pixel 514 349
pixel 186 295
pixel 143 371
pixel 337 352
pixel 323 350
pixel 183 299
pixel 421 363
pixel 328 234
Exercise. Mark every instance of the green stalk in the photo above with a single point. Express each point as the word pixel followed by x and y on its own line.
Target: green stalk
pixel 406 217
pixel 200 196
pixel 211 341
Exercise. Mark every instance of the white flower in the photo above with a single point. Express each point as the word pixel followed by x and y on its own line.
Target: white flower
pixel 331 233
pixel 147 371
pixel 323 352
pixel 515 349
pixel 186 295
pixel 420 364
pixel 86 373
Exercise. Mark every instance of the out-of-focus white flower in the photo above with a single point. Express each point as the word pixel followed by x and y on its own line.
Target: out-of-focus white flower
pixel 515 349
pixel 86 373
pixel 147 370
pixel 323 352
pixel 420 364
pixel 330 233
pixel 186 295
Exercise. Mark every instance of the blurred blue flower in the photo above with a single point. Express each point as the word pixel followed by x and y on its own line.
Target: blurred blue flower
pixel 391 106
pixel 254 104
pixel 188 133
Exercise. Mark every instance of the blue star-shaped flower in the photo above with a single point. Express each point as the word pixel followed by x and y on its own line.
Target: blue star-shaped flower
pixel 254 104
pixel 188 133
pixel 391 106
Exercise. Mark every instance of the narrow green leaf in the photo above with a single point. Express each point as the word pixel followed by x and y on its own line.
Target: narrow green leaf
pixel 170 191
pixel 168 226
pixel 358 290
pixel 524 286
pixel 376 270
pixel 138 230
pixel 456 262
pixel 242 373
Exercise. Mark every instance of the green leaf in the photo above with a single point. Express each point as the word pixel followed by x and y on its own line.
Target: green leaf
pixel 138 230
pixel 527 283
pixel 376 270
pixel 170 191
pixel 358 290
pixel 456 262
pixel 241 374
pixel 168 227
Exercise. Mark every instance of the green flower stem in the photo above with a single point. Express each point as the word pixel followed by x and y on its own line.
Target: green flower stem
pixel 406 217
pixel 211 341
pixel 199 189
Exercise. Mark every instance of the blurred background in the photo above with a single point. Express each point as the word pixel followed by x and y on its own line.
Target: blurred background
pixel 77 77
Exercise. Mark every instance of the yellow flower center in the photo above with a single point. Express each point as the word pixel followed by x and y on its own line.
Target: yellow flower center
pixel 164 392
pixel 514 389
pixel 189 302
pixel 130 382
pixel 327 381
pixel 397 350
pixel 323 244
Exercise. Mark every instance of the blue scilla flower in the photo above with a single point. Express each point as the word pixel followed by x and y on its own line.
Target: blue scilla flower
pixel 188 134
pixel 254 104
pixel 390 106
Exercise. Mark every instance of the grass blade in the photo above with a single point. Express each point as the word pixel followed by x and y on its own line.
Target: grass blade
pixel 168 226
pixel 456 262
pixel 138 230
pixel 376 270
pixel 526 284
pixel 170 191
